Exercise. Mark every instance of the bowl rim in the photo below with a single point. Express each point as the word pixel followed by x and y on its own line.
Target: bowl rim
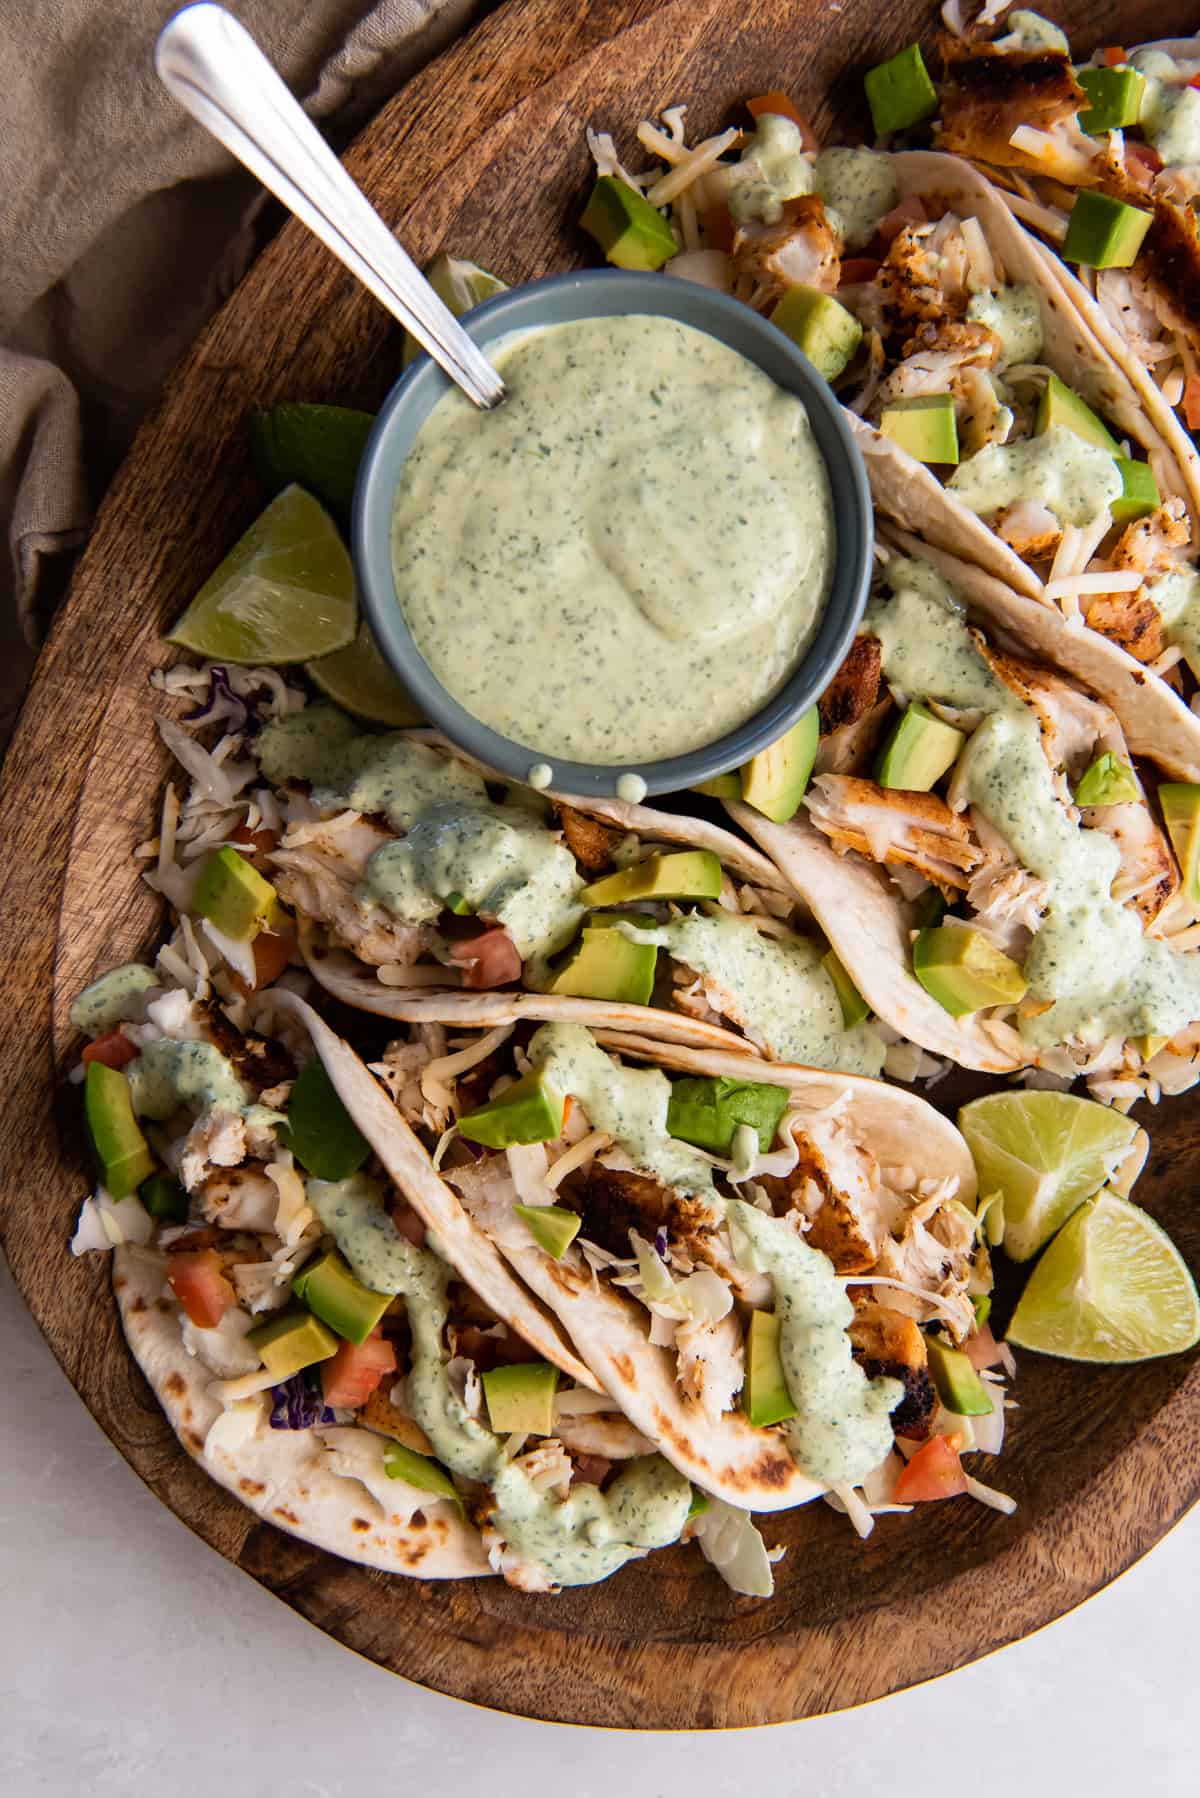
pixel 564 298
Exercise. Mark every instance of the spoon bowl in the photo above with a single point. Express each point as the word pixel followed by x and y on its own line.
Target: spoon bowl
pixel 564 299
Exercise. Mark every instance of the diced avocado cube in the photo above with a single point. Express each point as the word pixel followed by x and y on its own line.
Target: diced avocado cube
pixel 982 1307
pixel 819 325
pixel 1109 781
pixel 320 1131
pixel 531 1110
pixel 520 1398
pixel 400 1463
pixel 924 426
pixel 121 1149
pixel 604 964
pixel 1114 99
pixel 964 971
pixel 631 232
pixel 899 92
pixel 1180 803
pixel 552 1227
pixel 855 1009
pixel 765 1395
pixel 294 1340
pixel 918 751
pixel 462 908
pixel 1059 405
pixel 707 1112
pixel 701 1503
pixel 328 1288
pixel 1103 232
pixel 958 1385
pixel 690 874
pixel 774 781
pixel 164 1199
pixel 1139 491
pixel 232 894
pixel 721 786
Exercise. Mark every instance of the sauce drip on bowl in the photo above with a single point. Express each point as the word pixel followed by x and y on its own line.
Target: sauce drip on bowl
pixel 629 557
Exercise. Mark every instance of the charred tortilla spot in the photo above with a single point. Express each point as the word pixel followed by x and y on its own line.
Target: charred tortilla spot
pixel 137 1304
pixel 359 1523
pixel 287 1515
pixel 175 1385
pixel 623 1367
pixel 194 1442
pixel 252 1488
pixel 412 1554
pixel 165 1306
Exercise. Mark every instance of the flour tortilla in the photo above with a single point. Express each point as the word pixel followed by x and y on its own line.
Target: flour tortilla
pixel 1101 370
pixel 353 982
pixel 458 1238
pixel 749 1467
pixel 284 1476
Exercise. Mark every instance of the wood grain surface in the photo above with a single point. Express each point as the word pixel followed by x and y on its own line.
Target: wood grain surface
pixel 484 154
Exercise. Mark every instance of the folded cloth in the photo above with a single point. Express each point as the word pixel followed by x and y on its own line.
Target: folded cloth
pixel 123 225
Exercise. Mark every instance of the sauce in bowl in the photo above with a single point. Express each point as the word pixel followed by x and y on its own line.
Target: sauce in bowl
pixel 628 558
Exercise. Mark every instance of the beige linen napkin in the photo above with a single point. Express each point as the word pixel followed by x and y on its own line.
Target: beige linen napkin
pixel 122 227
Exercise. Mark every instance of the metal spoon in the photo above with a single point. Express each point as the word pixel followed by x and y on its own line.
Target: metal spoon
pixel 213 67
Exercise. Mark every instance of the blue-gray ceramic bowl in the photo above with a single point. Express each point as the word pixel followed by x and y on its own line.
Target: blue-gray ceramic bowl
pixel 561 300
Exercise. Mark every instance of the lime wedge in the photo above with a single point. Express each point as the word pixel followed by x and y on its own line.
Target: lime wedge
pixel 284 593
pixel 359 680
pixel 1111 1287
pixel 318 446
pixel 459 285
pixel 1045 1153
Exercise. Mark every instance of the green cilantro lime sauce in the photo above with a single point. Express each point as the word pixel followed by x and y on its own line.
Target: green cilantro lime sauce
pixel 858 188
pixel 583 1538
pixel 1029 31
pixel 773 167
pixel 501 858
pixel 1075 480
pixel 783 997
pixel 113 998
pixel 1177 596
pixel 629 1103
pixel 1090 960
pixel 504 862
pixel 627 558
pixel 841 1429
pixel 169 1075
pixel 1015 315
pixel 1170 114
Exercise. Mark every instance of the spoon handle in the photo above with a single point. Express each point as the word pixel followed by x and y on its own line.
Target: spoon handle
pixel 213 67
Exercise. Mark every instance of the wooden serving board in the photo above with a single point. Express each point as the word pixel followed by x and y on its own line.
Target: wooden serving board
pixel 484 155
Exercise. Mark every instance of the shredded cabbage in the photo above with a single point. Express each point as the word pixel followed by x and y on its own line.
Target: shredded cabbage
pixel 730 1541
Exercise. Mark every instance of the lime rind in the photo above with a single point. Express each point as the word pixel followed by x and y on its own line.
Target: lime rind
pixel 1046 1153
pixel 459 285
pixel 359 680
pixel 1112 1288
pixel 285 592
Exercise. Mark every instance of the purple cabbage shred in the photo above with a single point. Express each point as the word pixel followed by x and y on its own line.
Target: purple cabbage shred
pixel 660 1244
pixel 297 1404
pixel 221 695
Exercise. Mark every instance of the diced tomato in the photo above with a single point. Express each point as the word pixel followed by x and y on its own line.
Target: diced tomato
pixel 590 1470
pixel 350 1377
pixel 200 1286
pixel 408 1224
pixel 910 211
pixel 1191 402
pixel 487 960
pixel 567 1104
pixel 115 1050
pixel 780 104
pixel 1114 56
pixel 272 954
pixel 1194 81
pixel 982 1349
pixel 260 842
pixel 858 268
pixel 935 1471
pixel 716 223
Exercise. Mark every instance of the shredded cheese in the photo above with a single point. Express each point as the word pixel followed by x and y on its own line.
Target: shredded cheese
pixel 583 1151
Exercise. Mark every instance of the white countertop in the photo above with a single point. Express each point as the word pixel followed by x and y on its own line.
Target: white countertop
pixel 134 1660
